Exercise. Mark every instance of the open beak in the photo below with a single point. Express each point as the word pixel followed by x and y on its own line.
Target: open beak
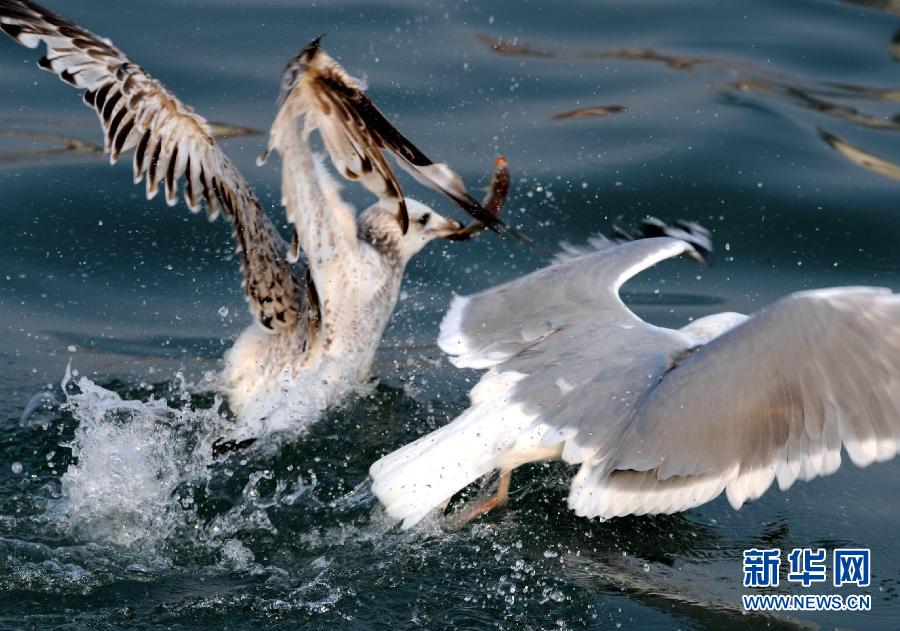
pixel 448 230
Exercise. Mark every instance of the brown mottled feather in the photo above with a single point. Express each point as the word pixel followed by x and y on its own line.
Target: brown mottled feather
pixel 356 133
pixel 171 142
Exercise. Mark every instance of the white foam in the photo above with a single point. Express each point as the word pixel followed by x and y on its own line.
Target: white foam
pixel 137 464
pixel 129 457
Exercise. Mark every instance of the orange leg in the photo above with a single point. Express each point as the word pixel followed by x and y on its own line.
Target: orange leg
pixel 497 500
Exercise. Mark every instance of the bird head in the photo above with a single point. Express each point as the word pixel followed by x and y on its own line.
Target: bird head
pixel 425 224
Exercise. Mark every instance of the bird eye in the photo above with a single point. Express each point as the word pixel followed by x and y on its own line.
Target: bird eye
pixel 424 218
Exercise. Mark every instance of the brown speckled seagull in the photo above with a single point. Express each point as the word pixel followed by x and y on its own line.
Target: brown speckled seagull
pixel 321 303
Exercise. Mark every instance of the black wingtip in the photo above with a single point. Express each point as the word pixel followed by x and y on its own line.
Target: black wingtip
pixel 310 50
pixel 695 234
pixel 690 232
pixel 13 30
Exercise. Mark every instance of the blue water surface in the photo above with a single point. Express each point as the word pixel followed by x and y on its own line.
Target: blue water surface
pixel 773 123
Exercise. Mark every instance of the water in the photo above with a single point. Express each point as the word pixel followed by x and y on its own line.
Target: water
pixel 758 119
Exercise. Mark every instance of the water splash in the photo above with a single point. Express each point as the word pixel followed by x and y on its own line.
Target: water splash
pixel 130 459
pixel 144 475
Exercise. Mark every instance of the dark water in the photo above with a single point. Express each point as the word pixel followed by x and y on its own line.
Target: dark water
pixel 770 122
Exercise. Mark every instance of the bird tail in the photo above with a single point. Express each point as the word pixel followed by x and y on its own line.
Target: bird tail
pixel 425 474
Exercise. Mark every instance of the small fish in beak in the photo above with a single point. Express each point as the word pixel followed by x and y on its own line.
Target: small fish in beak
pixel 493 203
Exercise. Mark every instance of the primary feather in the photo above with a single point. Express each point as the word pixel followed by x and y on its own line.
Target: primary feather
pixel 172 144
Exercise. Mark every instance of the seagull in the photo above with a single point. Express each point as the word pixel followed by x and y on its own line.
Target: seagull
pixel 320 302
pixel 660 420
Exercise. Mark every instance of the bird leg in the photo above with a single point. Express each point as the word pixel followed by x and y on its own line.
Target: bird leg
pixel 497 500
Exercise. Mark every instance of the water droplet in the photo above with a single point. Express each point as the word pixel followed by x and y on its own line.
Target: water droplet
pixel 17 467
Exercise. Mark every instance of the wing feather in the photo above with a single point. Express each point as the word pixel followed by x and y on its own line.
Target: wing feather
pixel 774 398
pixel 356 134
pixel 658 420
pixel 490 327
pixel 171 144
pixel 540 335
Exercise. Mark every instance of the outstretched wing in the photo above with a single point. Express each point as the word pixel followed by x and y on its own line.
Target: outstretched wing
pixel 171 144
pixel 575 357
pixel 658 423
pixel 775 398
pixel 492 326
pixel 356 133
pixel 544 336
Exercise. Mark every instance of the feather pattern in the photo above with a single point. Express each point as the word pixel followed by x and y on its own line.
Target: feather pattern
pixel 356 134
pixel 171 144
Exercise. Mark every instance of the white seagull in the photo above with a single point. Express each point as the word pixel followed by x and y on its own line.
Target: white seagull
pixel 320 303
pixel 659 420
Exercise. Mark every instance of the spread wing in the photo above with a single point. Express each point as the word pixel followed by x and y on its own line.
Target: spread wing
pixel 576 356
pixel 171 144
pixel 545 338
pixel 356 134
pixel 488 328
pixel 660 424
pixel 775 398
